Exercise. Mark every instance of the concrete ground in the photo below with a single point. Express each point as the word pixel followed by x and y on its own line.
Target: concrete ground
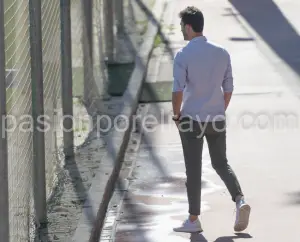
pixel 263 134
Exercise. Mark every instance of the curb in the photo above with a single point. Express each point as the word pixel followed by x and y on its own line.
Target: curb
pixel 98 196
pixel 115 205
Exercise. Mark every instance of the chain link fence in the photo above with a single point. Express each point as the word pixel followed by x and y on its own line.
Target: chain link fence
pixel 52 55
pixel 19 109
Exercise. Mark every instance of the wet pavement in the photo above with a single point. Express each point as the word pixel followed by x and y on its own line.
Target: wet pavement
pixel 263 146
pixel 156 199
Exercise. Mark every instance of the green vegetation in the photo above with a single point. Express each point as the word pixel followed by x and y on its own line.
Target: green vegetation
pixel 157 41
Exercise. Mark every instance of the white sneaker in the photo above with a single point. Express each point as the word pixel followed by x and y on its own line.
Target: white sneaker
pixel 189 227
pixel 242 216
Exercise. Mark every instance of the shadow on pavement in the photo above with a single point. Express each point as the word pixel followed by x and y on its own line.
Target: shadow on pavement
pixel 198 238
pixel 201 238
pixel 268 21
pixel 231 238
pixel 294 198
pixel 241 39
pixel 297 196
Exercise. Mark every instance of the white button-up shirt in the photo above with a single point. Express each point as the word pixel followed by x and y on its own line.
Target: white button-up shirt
pixel 202 70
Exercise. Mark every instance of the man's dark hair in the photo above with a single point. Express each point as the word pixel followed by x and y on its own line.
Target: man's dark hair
pixel 194 17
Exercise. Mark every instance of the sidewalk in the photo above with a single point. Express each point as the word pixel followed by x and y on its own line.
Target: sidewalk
pixel 263 140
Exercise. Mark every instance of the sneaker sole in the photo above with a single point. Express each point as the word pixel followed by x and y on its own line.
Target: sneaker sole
pixel 188 231
pixel 244 215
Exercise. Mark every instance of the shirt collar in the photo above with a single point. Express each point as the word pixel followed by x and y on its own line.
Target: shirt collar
pixel 202 38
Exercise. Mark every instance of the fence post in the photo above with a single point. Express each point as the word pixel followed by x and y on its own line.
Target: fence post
pixel 67 81
pixel 119 6
pixel 39 180
pixel 87 37
pixel 104 95
pixel 4 199
pixel 109 29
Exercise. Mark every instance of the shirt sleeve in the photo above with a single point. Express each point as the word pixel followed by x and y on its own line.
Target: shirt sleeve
pixel 179 72
pixel 227 84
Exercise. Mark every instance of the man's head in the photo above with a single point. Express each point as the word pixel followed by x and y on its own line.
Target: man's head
pixel 192 22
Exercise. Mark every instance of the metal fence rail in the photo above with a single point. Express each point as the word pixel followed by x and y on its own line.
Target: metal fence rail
pixel 51 52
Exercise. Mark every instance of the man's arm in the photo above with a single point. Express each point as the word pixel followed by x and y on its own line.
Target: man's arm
pixel 176 102
pixel 227 84
pixel 227 97
pixel 179 76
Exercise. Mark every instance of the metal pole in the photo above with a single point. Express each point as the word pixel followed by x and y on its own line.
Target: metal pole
pixel 39 181
pixel 109 29
pixel 4 199
pixel 102 58
pixel 67 82
pixel 119 5
pixel 88 49
pixel 88 4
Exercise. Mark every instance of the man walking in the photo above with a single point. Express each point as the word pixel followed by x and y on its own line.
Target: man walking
pixel 202 89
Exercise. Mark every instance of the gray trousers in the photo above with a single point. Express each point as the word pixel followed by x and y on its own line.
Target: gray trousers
pixel 192 134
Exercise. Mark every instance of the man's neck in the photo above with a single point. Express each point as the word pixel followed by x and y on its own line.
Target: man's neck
pixel 197 35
